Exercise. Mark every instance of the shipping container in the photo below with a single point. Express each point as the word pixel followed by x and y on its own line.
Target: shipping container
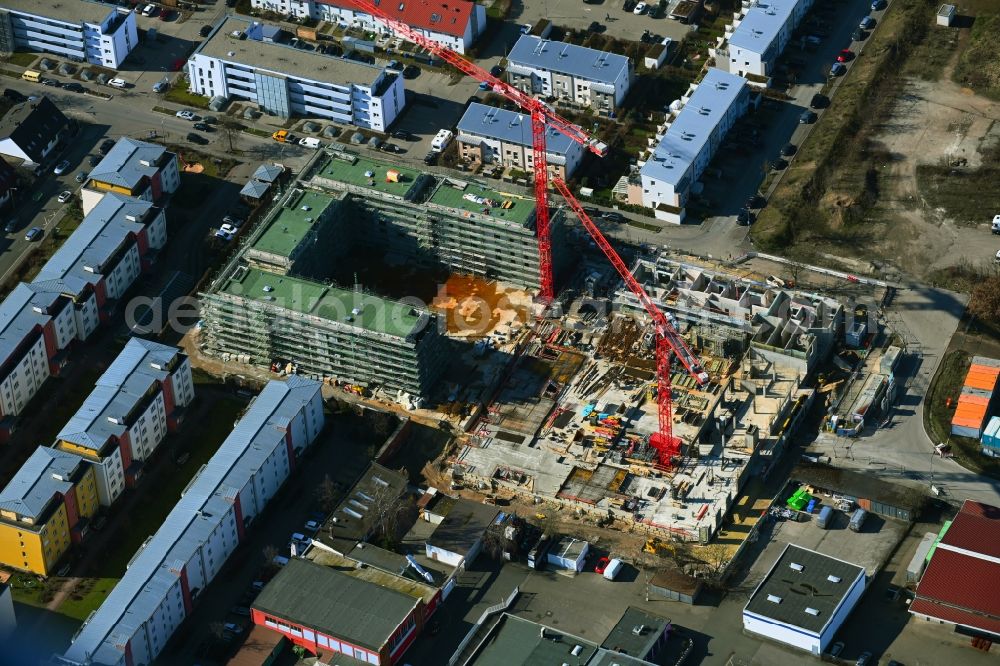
pixel 919 561
pixel 858 520
pixel 865 503
pixel 825 516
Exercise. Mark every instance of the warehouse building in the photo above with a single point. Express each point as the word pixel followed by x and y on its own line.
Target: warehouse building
pixel 961 586
pixel 760 34
pixel 576 76
pixel 804 599
pixel 132 168
pixel 236 62
pixel 455 23
pixel 437 221
pixel 78 30
pixel 490 135
pixel 176 564
pixel 332 613
pixel 706 114
pixel 871 494
pixel 44 508
pixel 135 403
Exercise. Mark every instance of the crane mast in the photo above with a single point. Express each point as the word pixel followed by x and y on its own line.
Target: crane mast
pixel 668 342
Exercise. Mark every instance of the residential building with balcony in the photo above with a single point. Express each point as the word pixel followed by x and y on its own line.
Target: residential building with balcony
pixel 44 508
pixel 575 76
pixel 452 23
pixel 169 571
pixel 235 62
pixel 491 135
pixel 710 109
pixel 135 403
pixel 758 35
pixel 79 30
pixel 132 168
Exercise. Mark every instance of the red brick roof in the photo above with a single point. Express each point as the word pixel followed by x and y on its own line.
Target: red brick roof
pixel 445 16
pixel 962 588
pixel 976 528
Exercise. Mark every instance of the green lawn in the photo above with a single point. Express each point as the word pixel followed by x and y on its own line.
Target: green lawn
pixel 89 594
pixel 979 66
pixel 180 94
pixel 22 59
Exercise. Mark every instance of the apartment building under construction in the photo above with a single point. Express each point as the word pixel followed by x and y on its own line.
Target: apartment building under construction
pixel 439 221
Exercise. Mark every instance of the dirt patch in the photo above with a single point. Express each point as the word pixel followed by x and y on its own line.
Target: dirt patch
pixel 474 307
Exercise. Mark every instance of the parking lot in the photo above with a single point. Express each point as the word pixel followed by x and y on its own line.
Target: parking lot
pixel 616 21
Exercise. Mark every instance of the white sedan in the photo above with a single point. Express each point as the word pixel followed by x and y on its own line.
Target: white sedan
pixel 640 8
pixel 65 196
pixel 186 115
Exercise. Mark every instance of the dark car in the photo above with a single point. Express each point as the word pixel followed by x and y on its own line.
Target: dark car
pixel 197 138
pixel 788 150
pixel 859 35
pixel 592 212
pixel 756 201
pixel 51 82
pixel 202 127
pixel 867 23
pixel 838 69
pixel 496 70
pixel 94 160
pixel 879 5
pixel 431 158
pixel 12 225
pixel 629 5
pixel 34 234
pixel 611 216
pixel 205 31
pixel 106 146
pixel 778 164
pixel 402 135
pixel 745 217
pixel 72 86
pixel 411 72
pixel 166 14
pixel 819 101
pixel 595 27
pixel 390 148
pixel 808 117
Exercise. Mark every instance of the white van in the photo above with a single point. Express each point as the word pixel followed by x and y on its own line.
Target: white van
pixel 310 142
pixel 118 83
pixel 441 140
pixel 996 222
pixel 149 10
pixel 613 569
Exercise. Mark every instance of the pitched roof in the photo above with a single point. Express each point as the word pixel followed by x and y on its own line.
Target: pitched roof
pixel 806 597
pixel 449 17
pixel 510 127
pixel 336 604
pixel 32 124
pixel 129 162
pixel 578 61
pixel 25 310
pixel 976 528
pixel 45 473
pixel 267 173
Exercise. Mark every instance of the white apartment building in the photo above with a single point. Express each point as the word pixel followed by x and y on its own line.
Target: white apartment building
pixel 497 136
pixel 758 35
pixel 128 414
pixel 236 62
pixel 206 525
pixel 710 108
pixel 574 75
pixel 81 30
pixel 452 23
pixel 36 326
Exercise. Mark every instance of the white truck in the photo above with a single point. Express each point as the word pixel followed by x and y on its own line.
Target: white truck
pixel 310 142
pixel 441 140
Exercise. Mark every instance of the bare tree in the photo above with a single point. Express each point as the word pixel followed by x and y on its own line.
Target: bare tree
pixel 231 130
pixel 387 508
pixel 326 493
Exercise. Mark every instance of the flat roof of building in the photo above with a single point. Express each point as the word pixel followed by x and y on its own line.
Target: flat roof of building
pixel 578 61
pixel 351 522
pixel 402 580
pixel 672 158
pixel 464 526
pixel 858 485
pixel 365 172
pixel 129 162
pixel 258 647
pixel 196 517
pixel 510 127
pixel 45 473
pixel 806 597
pixel 636 633
pixel 475 198
pixel 518 642
pixel 70 11
pixel 377 315
pixel 293 223
pixel 335 603
pixel 761 25
pixel 282 59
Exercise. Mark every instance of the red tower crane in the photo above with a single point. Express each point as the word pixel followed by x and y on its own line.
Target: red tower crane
pixel 667 339
pixel 542 116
